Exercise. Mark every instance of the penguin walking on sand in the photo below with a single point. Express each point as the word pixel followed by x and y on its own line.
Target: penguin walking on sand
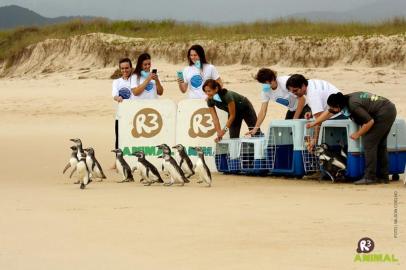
pixel 165 150
pixel 79 146
pixel 83 172
pixel 149 173
pixel 184 161
pixel 93 165
pixel 201 168
pixel 73 161
pixel 175 172
pixel 122 167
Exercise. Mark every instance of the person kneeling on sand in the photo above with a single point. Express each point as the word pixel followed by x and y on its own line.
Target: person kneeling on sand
pixel 146 84
pixel 274 88
pixel 376 115
pixel 238 107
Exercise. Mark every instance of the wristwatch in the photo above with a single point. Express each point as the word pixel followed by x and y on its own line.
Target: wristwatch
pixel 225 129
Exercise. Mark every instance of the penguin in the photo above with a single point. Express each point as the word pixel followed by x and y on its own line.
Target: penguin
pixel 123 167
pixel 93 165
pixel 333 164
pixel 73 161
pixel 184 161
pixel 165 149
pixel 78 143
pixel 149 172
pixel 175 172
pixel 201 168
pixel 83 172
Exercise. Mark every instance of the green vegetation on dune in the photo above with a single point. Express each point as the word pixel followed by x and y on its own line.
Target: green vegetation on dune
pixel 12 42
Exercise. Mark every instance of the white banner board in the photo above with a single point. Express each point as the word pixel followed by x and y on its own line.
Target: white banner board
pixel 195 127
pixel 144 124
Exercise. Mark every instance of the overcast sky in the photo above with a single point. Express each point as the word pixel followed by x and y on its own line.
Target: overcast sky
pixel 184 10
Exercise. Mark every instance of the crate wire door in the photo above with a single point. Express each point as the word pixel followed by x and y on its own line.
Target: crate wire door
pixel 310 160
pixel 254 155
pixel 227 155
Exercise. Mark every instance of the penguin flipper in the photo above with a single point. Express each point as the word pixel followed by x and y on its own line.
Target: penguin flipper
pixel 103 176
pixel 66 167
pixel 72 172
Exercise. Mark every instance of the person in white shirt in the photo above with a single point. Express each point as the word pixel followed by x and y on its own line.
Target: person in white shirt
pixel 146 84
pixel 317 93
pixel 274 88
pixel 199 70
pixel 121 89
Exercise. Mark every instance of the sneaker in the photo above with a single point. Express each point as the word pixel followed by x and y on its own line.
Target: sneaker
pixel 365 181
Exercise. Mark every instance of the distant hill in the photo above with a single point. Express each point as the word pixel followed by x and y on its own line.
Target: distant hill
pixel 373 12
pixel 15 16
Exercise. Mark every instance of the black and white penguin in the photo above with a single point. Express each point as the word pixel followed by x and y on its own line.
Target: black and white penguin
pixel 201 168
pixel 184 160
pixel 73 161
pixel 79 146
pixel 333 164
pixel 149 173
pixel 93 165
pixel 83 172
pixel 122 167
pixel 165 150
pixel 175 172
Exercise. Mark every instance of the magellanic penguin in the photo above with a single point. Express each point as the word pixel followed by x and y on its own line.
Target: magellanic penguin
pixel 184 161
pixel 149 173
pixel 73 161
pixel 79 145
pixel 201 168
pixel 93 165
pixel 83 172
pixel 166 150
pixel 123 167
pixel 333 164
pixel 175 172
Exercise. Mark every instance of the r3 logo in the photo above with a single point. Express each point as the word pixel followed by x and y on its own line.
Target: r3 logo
pixel 365 245
pixel 147 123
pixel 201 124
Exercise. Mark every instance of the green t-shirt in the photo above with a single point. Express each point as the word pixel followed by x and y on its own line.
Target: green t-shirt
pixel 226 97
pixel 365 106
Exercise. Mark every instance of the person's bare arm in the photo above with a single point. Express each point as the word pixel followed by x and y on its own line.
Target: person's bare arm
pixel 364 129
pixel 301 102
pixel 260 119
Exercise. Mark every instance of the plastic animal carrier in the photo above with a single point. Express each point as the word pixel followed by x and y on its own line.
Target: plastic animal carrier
pixel 227 156
pixel 336 133
pixel 285 150
pixel 254 156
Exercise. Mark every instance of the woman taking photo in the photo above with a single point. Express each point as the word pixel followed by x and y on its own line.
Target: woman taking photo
pixel 146 84
pixel 193 76
pixel 238 107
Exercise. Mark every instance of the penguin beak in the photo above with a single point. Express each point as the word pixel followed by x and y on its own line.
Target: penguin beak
pixel 114 151
pixel 160 156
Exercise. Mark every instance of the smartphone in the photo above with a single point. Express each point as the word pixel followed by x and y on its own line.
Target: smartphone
pixel 154 70
pixel 180 74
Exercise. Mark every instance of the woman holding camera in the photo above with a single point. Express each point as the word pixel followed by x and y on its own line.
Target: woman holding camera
pixel 146 84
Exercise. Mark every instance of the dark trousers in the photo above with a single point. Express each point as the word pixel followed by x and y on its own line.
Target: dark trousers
pixel 375 143
pixel 250 118
pixel 116 132
pixel 290 114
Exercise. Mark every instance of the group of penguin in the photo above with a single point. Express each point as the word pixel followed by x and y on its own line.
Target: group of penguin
pixel 84 162
pixel 177 173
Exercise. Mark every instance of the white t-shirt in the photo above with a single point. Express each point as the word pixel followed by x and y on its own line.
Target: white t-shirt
pixel 195 79
pixel 149 92
pixel 122 87
pixel 281 94
pixel 317 94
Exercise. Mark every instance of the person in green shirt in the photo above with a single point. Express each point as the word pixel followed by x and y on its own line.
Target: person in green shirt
pixel 238 107
pixel 375 115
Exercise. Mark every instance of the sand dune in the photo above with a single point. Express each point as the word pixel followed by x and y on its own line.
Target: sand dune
pixel 99 50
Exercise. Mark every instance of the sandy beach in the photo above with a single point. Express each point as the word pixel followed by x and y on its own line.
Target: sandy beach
pixel 242 222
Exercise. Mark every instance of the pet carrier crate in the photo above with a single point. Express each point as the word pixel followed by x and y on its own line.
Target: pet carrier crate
pixel 285 150
pixel 227 156
pixel 253 156
pixel 397 148
pixel 336 134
